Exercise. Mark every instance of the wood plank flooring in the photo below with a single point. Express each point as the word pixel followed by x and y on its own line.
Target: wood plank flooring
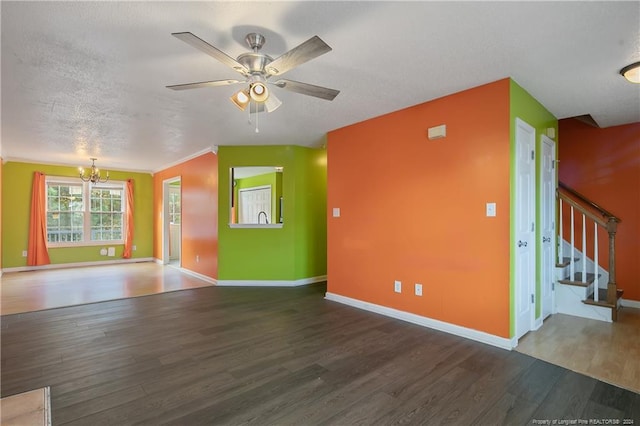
pixel 280 356
pixel 54 288
pixel 607 351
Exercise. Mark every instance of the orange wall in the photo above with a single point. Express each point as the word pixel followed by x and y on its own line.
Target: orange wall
pixel 199 202
pixel 414 209
pixel 604 165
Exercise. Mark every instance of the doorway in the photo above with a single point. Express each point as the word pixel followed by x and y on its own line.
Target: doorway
pixel 172 222
pixel 547 225
pixel 525 208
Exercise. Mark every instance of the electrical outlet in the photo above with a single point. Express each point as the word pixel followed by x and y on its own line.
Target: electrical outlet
pixel 134 248
pixel 397 286
pixel 418 289
pixel 197 259
pixel 24 253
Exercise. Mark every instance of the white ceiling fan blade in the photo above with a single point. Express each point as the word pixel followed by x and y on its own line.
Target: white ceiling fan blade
pixel 300 54
pixel 213 83
pixel 272 103
pixel 212 51
pixel 308 89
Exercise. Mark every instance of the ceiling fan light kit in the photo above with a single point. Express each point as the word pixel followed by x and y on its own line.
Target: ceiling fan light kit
pixel 631 72
pixel 257 68
pixel 241 99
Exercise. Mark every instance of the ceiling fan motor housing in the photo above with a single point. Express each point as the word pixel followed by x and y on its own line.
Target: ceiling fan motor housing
pixel 255 62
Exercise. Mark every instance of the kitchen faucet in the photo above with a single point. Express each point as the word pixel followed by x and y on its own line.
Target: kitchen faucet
pixel 266 221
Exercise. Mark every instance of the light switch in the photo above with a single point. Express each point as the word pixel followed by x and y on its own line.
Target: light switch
pixel 336 212
pixel 491 209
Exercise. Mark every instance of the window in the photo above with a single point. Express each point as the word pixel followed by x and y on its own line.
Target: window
pixel 174 205
pixel 82 213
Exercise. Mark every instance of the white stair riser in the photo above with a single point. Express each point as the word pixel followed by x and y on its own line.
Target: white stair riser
pixel 569 301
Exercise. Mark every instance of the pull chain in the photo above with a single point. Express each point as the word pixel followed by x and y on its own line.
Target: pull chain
pixel 257 130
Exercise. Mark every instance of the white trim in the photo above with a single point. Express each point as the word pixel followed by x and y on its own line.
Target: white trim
pixel 166 184
pixel 77 264
pixel 185 159
pixel 468 333
pixel 255 225
pixel 630 303
pixel 537 323
pixel 271 283
pixel 47 406
pixel 199 276
pixel 73 165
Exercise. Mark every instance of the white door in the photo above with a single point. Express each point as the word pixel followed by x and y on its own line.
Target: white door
pixel 547 226
pixel 254 205
pixel 525 227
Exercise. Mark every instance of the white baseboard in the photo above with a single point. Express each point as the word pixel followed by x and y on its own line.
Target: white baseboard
pixel 198 275
pixel 77 264
pixel 479 336
pixel 271 283
pixel 538 323
pixel 630 303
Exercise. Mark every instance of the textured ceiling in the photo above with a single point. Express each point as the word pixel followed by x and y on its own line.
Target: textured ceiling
pixel 84 80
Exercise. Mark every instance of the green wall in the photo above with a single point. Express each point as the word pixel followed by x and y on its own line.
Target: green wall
pixel 311 210
pixel 527 108
pixel 16 203
pixel 298 249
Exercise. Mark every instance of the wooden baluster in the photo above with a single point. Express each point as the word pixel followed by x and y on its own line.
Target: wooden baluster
pixel 612 296
pixel 561 238
pixel 584 248
pixel 596 284
pixel 571 265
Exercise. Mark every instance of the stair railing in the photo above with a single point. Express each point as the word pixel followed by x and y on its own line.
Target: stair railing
pixel 600 217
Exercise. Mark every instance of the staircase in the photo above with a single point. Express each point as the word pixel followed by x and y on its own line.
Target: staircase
pixel 584 288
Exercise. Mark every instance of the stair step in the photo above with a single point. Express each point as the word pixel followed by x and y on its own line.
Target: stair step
pixel 602 296
pixel 577 279
pixel 566 261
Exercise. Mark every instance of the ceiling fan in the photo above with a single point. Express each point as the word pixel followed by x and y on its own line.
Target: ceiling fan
pixel 257 68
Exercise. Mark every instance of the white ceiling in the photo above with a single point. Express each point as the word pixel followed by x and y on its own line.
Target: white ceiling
pixel 87 79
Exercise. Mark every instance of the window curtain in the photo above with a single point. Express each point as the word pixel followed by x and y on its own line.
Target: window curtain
pixel 128 238
pixel 37 253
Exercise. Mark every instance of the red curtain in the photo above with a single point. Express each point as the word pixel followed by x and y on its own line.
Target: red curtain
pixel 128 238
pixel 37 253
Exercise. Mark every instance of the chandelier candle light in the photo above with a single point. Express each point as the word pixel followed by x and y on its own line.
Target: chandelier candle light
pixel 94 176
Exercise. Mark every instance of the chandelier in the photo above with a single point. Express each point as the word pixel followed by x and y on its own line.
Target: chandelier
pixel 94 173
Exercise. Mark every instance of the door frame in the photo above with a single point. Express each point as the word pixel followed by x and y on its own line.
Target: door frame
pixel 165 219
pixel 547 203
pixel 523 291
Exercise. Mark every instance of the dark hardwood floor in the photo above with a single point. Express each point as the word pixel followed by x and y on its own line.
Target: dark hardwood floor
pixel 280 356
